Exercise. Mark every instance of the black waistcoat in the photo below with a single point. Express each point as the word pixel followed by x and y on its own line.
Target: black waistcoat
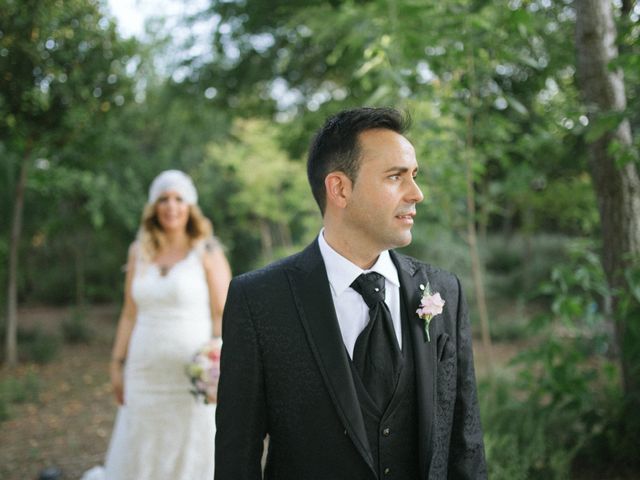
pixel 393 434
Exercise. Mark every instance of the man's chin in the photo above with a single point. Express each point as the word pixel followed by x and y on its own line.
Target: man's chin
pixel 402 240
pixel 407 242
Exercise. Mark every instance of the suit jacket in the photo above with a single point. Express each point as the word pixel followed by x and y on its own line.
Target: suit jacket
pixel 285 372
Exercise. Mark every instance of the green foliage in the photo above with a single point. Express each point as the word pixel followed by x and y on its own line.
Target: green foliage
pixel 439 246
pixel 485 81
pixel 268 206
pixel 489 82
pixel 64 67
pixel 573 200
pixel 621 438
pixel 75 328
pixel 519 441
pixel 4 409
pixel 66 73
pixel 15 390
pixel 629 61
pixel 502 96
pixel 35 345
pixel 565 403
pixel 581 299
pixel 516 264
pixel 43 348
pixel 21 390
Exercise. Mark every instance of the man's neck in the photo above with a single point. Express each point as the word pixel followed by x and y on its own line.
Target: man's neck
pixel 350 249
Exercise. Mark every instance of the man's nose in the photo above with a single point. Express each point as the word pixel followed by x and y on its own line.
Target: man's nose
pixel 415 194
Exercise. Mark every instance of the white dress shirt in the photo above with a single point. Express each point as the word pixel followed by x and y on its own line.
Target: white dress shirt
pixel 351 310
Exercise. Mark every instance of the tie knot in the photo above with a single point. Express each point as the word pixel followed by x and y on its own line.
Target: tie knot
pixel 371 287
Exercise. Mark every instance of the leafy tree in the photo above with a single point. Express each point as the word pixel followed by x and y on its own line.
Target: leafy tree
pixel 484 77
pixel 263 193
pixel 63 67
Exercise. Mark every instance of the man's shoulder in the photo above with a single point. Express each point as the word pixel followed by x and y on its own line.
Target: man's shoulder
pixel 272 272
pixel 412 265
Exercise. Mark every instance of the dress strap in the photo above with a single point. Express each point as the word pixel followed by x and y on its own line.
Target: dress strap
pixel 208 244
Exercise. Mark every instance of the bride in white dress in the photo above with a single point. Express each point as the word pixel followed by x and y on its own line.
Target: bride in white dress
pixel 176 285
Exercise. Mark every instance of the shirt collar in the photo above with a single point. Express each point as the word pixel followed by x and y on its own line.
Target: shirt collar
pixel 342 272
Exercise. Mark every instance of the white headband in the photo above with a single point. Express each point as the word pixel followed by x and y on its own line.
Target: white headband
pixel 173 180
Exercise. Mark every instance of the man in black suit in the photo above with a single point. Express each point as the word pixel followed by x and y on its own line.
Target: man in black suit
pixel 325 350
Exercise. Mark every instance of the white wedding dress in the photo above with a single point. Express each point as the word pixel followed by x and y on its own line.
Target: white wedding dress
pixel 162 432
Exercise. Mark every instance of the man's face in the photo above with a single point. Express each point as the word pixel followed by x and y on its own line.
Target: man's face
pixel 382 204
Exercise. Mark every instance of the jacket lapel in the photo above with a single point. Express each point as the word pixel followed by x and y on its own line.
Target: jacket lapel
pixel 411 276
pixel 312 294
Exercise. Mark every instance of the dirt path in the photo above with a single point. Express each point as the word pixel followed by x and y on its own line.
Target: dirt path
pixel 70 424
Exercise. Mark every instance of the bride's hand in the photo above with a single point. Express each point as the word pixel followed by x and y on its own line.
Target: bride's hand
pixel 117 381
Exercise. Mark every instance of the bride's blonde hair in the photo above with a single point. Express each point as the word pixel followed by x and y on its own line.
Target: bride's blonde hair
pixel 151 236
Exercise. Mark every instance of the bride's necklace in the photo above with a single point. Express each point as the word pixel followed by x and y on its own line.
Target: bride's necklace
pixel 164 268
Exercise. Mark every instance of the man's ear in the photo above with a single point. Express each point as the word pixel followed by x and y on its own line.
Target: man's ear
pixel 338 187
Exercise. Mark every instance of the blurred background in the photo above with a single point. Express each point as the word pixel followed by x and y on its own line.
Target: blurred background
pixel 525 120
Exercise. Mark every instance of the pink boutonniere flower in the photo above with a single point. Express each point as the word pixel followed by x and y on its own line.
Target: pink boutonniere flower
pixel 430 305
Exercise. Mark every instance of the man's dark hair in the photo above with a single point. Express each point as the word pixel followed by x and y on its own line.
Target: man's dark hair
pixel 335 146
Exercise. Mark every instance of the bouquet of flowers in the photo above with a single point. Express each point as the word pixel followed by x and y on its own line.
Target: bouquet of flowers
pixel 204 370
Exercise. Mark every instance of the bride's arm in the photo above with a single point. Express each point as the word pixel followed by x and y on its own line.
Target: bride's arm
pixel 123 333
pixel 218 274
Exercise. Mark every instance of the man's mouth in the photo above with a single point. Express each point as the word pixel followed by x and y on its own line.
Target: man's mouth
pixel 406 217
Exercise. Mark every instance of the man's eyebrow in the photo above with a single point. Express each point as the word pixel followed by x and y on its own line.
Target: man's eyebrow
pixel 399 169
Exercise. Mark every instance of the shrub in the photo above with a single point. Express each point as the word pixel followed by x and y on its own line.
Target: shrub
pixel 18 390
pixel 566 396
pixel 4 409
pixel 34 345
pixel 43 348
pixel 515 265
pixel 75 328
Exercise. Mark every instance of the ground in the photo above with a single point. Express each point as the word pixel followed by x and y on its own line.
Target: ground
pixel 70 424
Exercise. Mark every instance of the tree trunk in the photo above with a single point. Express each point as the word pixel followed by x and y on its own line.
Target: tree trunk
pixel 472 235
pixel 285 235
pixel 528 224
pixel 266 239
pixel 476 266
pixel 617 187
pixel 11 358
pixel 80 272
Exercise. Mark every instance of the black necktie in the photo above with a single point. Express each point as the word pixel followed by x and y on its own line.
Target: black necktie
pixel 376 354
